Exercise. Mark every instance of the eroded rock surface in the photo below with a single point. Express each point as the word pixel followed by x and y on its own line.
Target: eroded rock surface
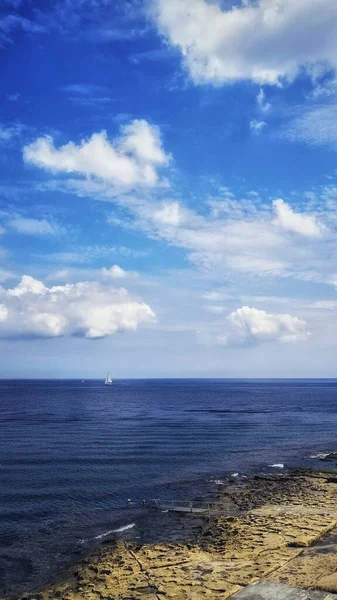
pixel 282 516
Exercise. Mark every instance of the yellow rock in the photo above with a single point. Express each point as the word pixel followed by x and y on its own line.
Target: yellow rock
pixel 281 518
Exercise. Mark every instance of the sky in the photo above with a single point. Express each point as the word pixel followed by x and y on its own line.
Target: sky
pixel 168 188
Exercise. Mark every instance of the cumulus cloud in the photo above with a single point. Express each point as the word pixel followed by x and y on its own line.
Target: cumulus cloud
pixel 234 235
pixel 130 161
pixel 85 309
pixel 114 272
pixel 253 326
pixel 300 223
pixel 261 40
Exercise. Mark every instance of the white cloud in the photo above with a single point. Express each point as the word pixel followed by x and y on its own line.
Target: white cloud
pixel 3 313
pixel 257 239
pixel 5 133
pixel 245 242
pixel 267 299
pixel 85 89
pixel 170 213
pixel 324 304
pixel 129 162
pixel 84 309
pixel 215 309
pixel 11 23
pixel 252 326
pixel 257 126
pixel 333 281
pixel 261 40
pixel 114 272
pixel 256 264
pixel 236 235
pixel 86 255
pixel 86 94
pixel 262 103
pixel 103 275
pixel 215 296
pixel 300 223
pixel 13 97
pixel 8 132
pixel 5 275
pixel 315 126
pixel 33 226
pixel 27 285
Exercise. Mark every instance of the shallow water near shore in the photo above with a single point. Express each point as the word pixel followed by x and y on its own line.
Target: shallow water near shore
pixel 72 453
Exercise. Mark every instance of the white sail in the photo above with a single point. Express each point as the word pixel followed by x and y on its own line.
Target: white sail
pixel 108 380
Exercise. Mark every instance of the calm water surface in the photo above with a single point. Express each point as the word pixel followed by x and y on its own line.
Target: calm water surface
pixel 72 453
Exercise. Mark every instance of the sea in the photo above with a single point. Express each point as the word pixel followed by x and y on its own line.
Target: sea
pixel 79 461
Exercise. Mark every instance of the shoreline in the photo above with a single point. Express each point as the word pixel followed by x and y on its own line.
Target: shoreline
pixel 168 442
pixel 280 518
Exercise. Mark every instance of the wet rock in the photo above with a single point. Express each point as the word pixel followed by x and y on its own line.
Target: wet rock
pixel 279 518
pixel 331 456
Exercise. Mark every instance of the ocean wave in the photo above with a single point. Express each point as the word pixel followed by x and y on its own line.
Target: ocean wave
pixel 106 533
pixel 321 455
pixel 277 466
pixel 119 530
pixel 103 535
pixel 125 527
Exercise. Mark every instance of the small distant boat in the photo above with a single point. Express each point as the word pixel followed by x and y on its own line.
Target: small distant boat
pixel 108 380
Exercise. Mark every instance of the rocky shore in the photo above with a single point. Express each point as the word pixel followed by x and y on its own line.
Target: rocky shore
pixel 284 530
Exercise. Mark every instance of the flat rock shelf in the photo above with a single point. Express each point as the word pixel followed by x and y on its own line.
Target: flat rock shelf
pixel 284 538
pixel 277 591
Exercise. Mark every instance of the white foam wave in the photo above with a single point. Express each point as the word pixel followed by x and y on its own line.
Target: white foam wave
pixel 125 527
pixel 277 466
pixel 119 530
pixel 321 455
pixel 102 535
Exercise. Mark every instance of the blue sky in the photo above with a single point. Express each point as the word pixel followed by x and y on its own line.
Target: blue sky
pixel 168 194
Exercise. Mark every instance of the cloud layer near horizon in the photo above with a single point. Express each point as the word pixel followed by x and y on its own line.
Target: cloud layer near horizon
pixel 248 325
pixel 85 309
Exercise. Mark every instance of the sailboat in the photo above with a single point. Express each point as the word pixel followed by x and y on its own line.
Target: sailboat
pixel 108 380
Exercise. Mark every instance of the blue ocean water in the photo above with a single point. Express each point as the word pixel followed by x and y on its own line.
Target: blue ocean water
pixel 72 453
